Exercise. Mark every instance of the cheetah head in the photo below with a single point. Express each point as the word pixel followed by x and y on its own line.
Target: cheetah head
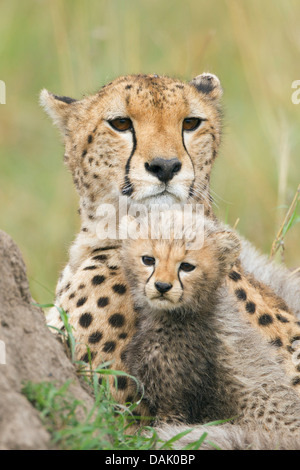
pixel 150 138
pixel 166 274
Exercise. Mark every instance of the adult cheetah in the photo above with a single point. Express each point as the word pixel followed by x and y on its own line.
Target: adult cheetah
pixel 152 140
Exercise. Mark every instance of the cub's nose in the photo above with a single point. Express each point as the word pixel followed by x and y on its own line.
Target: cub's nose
pixel 163 169
pixel 163 287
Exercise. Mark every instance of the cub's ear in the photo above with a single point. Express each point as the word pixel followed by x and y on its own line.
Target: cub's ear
pixel 229 246
pixel 57 107
pixel 209 85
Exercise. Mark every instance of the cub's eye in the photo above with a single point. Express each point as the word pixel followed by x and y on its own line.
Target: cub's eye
pixel 121 124
pixel 190 124
pixel 187 267
pixel 148 260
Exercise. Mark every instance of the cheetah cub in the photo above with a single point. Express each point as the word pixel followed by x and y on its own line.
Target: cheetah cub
pixel 196 358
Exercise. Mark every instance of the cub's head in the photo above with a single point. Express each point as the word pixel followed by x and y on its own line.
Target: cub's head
pixel 167 274
pixel 150 138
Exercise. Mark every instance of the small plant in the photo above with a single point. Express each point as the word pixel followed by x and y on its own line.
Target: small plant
pixel 291 218
pixel 107 425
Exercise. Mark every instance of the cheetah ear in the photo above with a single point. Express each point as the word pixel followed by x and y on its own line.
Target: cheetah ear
pixel 229 246
pixel 209 85
pixel 57 107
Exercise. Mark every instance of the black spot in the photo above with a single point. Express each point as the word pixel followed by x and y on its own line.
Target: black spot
pixel 89 268
pixel 235 276
pixel 82 286
pixel 113 268
pixel 129 399
pixel 121 383
pixel 71 296
pixel 109 346
pixel 295 338
pixel 120 289
pixel 90 139
pixel 116 320
pixel 123 356
pixel 276 342
pixel 81 301
pixel 103 301
pixel 98 280
pixel 265 319
pixel 128 87
pixel 241 294
pixel 296 381
pixel 250 307
pixel 281 318
pixel 86 358
pixel 85 320
pixel 95 337
pixel 100 258
pixel 123 335
pixel 84 153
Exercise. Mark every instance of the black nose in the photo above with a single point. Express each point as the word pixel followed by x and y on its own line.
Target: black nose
pixel 163 287
pixel 163 169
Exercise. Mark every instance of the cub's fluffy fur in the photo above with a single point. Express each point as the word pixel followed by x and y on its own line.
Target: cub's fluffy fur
pixel 197 359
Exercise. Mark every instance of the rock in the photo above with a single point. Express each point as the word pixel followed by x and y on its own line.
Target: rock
pixel 32 353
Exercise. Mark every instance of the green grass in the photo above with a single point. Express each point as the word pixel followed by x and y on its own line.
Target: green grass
pixel 101 428
pixel 105 426
pixel 73 47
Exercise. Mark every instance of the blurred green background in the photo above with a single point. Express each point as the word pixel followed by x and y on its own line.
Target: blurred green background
pixel 72 47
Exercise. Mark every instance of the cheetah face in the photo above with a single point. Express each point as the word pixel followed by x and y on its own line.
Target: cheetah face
pixel 150 138
pixel 166 275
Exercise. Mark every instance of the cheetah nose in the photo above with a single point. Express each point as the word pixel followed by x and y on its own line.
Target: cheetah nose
pixel 163 287
pixel 164 169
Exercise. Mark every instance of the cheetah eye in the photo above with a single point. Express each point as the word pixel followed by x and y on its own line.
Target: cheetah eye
pixel 148 260
pixel 191 124
pixel 187 267
pixel 121 124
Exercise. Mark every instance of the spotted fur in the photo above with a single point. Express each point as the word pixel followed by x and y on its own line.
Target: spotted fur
pixel 269 314
pixel 192 352
pixel 106 164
